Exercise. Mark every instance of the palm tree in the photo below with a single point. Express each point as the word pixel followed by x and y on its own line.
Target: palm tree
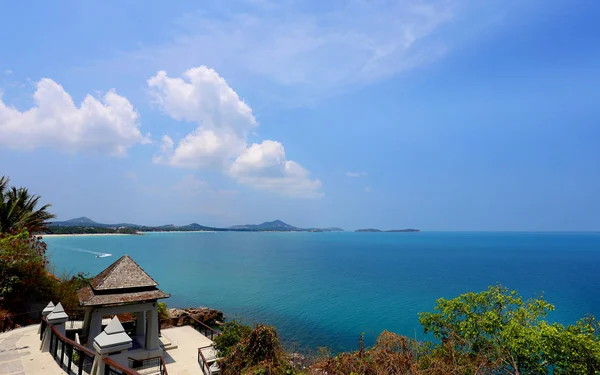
pixel 17 209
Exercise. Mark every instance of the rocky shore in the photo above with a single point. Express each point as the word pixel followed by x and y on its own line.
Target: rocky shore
pixel 181 317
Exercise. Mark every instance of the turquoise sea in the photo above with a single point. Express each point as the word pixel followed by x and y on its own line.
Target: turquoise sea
pixel 325 289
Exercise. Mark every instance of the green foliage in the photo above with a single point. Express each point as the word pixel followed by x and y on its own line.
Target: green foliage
pixel 573 349
pixel 24 278
pixel 232 333
pixel 162 311
pixel 496 323
pixel 65 289
pixel 259 352
pixel 18 209
pixel 60 229
pixel 23 275
pixel 492 332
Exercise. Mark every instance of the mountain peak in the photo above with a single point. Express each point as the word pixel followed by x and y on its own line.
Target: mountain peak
pixel 267 225
pixel 81 220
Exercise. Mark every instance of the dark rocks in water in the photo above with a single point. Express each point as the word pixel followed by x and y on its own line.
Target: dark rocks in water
pixel 181 317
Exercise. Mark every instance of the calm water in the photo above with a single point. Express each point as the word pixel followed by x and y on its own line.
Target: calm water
pixel 324 289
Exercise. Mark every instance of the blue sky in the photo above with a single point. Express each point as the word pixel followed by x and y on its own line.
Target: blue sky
pixel 440 115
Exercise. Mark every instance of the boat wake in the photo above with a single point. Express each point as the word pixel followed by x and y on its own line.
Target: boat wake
pixel 97 254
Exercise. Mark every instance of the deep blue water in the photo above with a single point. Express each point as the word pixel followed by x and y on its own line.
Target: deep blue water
pixel 325 289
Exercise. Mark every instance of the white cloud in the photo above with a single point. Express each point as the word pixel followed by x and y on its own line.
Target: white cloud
pixel 204 97
pixel 288 51
pixel 108 126
pixel 220 140
pixel 166 144
pixel 356 174
pixel 8 72
pixel 264 166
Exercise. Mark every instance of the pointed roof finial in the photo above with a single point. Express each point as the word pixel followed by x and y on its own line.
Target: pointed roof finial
pixel 58 315
pixel 48 309
pixel 113 338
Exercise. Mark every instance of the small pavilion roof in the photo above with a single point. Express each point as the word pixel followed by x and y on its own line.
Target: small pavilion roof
pixel 123 281
pixel 122 274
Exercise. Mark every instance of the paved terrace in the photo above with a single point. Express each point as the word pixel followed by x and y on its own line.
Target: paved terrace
pixel 20 352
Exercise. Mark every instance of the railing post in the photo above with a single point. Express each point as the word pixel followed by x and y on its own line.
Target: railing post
pixel 70 355
pixel 52 344
pixel 47 310
pixel 112 340
pixel 56 319
pixel 62 354
pixel 81 361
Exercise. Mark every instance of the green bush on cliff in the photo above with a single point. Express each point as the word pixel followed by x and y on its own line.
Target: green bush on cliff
pixel 259 352
pixel 491 332
pixel 23 275
pixel 162 311
pixel 232 333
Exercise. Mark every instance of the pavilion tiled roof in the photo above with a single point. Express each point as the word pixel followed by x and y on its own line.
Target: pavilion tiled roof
pixel 87 297
pixel 122 274
pixel 123 281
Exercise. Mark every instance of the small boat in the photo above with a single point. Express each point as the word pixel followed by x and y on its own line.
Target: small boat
pixel 103 255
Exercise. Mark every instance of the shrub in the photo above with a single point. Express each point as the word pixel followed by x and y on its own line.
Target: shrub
pixel 162 311
pixel 491 332
pixel 232 333
pixel 260 352
pixel 23 275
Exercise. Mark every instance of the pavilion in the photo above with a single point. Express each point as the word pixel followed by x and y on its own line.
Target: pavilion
pixel 123 287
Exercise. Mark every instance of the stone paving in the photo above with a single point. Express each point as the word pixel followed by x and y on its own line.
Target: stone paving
pixel 184 359
pixel 20 354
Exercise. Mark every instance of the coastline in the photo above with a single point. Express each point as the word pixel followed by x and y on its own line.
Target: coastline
pixel 85 234
pixel 178 231
pixel 122 234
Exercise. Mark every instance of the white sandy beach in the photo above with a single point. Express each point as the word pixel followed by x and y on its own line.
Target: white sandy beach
pixel 85 234
pixel 123 234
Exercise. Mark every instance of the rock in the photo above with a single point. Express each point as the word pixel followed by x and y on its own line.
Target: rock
pixel 203 314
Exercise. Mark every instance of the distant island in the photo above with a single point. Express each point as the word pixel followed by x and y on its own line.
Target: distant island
pixel 387 231
pixel 84 225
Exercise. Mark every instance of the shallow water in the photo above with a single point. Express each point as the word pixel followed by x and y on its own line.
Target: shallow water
pixel 325 289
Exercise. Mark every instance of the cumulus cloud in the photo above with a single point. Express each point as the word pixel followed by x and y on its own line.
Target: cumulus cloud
pixel 220 139
pixel 202 96
pixel 356 174
pixel 264 166
pixel 109 125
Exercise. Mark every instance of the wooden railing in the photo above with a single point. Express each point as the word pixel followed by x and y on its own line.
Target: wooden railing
pixel 9 322
pixel 71 356
pixel 155 363
pixel 113 368
pixel 204 364
pixel 207 331
pixel 77 359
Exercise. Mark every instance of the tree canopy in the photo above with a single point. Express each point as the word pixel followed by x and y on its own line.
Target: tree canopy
pixel 18 209
pixel 492 332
